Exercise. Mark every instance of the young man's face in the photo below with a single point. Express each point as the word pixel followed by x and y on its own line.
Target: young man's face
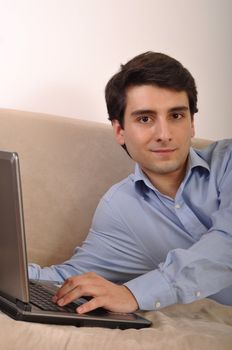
pixel 157 129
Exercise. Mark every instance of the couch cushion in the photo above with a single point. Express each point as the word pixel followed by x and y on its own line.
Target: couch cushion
pixel 66 166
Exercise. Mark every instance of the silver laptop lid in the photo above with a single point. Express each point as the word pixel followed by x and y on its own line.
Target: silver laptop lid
pixel 13 260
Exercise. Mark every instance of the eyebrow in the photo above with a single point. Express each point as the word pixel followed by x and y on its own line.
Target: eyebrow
pixel 179 109
pixel 151 111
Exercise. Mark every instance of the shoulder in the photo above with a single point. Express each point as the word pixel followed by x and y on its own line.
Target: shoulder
pixel 122 188
pixel 118 199
pixel 218 156
pixel 112 208
pixel 217 153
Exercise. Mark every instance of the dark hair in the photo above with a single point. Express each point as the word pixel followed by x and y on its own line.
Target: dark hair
pixel 149 68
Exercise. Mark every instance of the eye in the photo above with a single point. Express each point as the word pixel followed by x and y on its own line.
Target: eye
pixel 144 119
pixel 177 116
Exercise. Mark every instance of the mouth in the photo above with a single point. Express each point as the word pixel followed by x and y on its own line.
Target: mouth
pixel 163 153
pixel 163 150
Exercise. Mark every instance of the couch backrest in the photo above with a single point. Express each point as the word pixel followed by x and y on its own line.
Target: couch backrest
pixel 66 166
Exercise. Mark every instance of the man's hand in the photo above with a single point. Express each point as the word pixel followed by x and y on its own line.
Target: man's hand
pixel 113 297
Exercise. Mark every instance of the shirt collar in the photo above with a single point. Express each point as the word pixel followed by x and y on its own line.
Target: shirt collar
pixel 194 161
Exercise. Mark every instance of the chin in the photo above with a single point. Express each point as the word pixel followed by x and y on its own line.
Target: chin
pixel 166 168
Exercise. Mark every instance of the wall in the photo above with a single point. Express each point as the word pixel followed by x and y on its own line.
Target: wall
pixel 57 55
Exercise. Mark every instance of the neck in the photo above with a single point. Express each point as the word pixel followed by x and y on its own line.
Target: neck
pixel 167 184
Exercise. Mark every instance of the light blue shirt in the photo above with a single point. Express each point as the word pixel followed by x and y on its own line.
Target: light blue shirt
pixel 164 250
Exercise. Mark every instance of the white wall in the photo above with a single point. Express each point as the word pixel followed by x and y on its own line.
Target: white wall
pixel 57 55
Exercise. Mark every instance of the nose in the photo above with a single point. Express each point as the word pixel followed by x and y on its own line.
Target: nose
pixel 162 130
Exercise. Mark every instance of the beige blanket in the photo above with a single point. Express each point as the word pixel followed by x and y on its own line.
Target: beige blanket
pixel 201 325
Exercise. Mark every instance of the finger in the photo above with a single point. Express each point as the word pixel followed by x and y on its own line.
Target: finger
pixel 72 282
pixel 74 294
pixel 83 289
pixel 69 297
pixel 69 285
pixel 91 305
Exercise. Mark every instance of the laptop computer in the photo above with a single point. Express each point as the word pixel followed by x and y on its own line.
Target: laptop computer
pixel 29 300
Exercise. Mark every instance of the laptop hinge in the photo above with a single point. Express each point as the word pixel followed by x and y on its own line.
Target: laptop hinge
pixel 23 306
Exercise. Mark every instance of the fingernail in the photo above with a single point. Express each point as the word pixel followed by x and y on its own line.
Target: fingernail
pixel 60 302
pixel 54 298
pixel 80 309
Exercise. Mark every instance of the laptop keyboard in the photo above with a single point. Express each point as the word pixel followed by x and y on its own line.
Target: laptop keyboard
pixel 41 297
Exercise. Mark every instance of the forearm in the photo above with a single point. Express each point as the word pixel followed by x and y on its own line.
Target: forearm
pixel 52 273
pixel 187 274
pixel 95 255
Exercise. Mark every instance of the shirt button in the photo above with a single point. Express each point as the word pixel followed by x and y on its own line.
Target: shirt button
pixel 177 206
pixel 157 305
pixel 198 294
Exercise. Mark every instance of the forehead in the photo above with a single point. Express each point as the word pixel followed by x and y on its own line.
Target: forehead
pixel 154 98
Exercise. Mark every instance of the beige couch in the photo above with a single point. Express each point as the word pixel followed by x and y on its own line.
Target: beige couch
pixel 66 166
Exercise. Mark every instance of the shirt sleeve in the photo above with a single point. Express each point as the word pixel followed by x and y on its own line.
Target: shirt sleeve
pixel 200 271
pixel 109 250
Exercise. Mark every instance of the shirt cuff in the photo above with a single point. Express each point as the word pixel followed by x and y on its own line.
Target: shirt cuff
pixel 33 271
pixel 152 291
pixel 36 272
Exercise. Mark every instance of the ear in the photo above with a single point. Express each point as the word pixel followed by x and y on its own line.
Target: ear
pixel 118 132
pixel 192 127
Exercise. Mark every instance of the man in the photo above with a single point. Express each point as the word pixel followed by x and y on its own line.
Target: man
pixel 164 234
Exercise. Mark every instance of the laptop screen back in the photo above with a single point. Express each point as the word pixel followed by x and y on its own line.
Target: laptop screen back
pixel 13 264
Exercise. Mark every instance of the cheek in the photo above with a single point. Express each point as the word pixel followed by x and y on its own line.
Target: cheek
pixel 136 139
pixel 137 145
pixel 185 134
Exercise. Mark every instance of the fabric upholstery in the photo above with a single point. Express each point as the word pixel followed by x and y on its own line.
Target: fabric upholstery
pixel 66 166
